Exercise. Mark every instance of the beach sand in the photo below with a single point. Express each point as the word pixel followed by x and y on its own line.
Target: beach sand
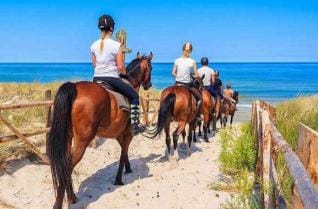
pixel 156 182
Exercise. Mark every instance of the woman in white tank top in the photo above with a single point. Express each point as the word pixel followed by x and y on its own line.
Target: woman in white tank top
pixel 108 62
pixel 182 71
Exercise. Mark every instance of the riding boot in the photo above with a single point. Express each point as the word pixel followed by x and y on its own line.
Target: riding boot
pixel 136 126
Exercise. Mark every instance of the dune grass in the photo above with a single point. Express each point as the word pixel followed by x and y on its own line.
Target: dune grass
pixel 289 115
pixel 24 119
pixel 238 158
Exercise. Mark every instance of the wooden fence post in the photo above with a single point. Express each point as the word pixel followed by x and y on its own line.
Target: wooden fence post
pixel 307 151
pixel 267 181
pixel 48 97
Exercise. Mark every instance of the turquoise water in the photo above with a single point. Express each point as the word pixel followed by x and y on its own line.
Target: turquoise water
pixel 269 81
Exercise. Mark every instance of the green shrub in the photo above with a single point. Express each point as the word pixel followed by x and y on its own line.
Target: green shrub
pixel 237 154
pixel 238 158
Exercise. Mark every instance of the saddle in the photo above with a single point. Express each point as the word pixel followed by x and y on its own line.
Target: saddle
pixel 122 101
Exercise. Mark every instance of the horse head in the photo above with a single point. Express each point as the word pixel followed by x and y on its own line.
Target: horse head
pixel 139 71
pixel 236 96
pixel 197 82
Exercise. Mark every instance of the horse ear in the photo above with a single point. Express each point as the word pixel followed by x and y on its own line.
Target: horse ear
pixel 139 55
pixel 150 56
pixel 203 76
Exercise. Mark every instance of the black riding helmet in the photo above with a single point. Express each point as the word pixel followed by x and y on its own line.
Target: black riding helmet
pixel 204 61
pixel 106 22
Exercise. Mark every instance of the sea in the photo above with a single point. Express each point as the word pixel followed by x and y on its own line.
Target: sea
pixel 274 82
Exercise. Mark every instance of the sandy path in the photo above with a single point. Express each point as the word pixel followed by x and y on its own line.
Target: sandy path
pixel 155 183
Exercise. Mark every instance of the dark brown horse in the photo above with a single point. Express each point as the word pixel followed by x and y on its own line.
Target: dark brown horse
pixel 179 105
pixel 217 112
pixel 82 111
pixel 228 108
pixel 208 112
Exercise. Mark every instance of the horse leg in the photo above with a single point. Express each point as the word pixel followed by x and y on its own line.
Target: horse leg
pixel 205 127
pixel 199 124
pixel 80 143
pixel 123 158
pixel 193 132
pixel 191 128
pixel 232 119
pixel 213 124
pixel 208 125
pixel 168 139
pixel 127 163
pixel 177 133
pixel 224 120
pixel 183 137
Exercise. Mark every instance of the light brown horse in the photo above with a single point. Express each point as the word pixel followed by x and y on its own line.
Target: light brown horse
pixel 228 108
pixel 179 105
pixel 82 111
pixel 208 112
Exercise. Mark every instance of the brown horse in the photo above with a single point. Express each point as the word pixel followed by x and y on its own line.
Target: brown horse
pixel 228 108
pixel 82 111
pixel 217 112
pixel 179 105
pixel 208 112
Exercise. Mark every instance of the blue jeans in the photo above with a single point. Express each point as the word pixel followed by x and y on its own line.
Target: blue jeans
pixel 214 92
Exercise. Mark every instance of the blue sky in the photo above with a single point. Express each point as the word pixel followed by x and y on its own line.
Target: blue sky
pixel 225 31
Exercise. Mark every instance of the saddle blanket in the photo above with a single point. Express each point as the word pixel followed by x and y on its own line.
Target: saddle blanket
pixel 122 101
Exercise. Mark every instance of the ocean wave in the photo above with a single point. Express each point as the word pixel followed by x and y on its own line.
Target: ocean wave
pixel 245 105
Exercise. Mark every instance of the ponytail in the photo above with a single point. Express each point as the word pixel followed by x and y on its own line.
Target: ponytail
pixel 101 46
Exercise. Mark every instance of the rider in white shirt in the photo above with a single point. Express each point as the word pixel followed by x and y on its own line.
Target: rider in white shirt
pixel 108 62
pixel 182 71
pixel 209 78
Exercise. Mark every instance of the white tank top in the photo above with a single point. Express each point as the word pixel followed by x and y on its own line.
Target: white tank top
pixel 106 65
pixel 184 66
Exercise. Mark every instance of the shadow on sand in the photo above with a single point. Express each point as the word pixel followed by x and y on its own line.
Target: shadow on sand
pixel 102 182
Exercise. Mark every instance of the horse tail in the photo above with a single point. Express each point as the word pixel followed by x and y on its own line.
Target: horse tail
pixel 60 135
pixel 165 112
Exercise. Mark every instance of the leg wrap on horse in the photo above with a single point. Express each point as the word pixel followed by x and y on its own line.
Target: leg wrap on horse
pixel 136 127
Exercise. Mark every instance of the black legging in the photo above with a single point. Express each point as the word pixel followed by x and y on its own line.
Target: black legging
pixel 121 87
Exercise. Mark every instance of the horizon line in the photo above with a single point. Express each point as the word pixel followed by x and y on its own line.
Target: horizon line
pixel 219 62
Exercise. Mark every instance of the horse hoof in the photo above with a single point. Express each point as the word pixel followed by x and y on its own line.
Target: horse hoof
pixel 199 134
pixel 128 171
pixel 118 183
pixel 206 140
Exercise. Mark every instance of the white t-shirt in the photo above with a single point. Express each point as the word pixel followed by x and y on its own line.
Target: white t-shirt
pixel 106 65
pixel 208 72
pixel 184 66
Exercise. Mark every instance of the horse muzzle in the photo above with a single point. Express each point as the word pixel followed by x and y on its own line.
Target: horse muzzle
pixel 147 86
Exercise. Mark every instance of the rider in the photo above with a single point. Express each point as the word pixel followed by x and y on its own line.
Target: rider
pixel 228 93
pixel 108 62
pixel 217 87
pixel 208 75
pixel 182 69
